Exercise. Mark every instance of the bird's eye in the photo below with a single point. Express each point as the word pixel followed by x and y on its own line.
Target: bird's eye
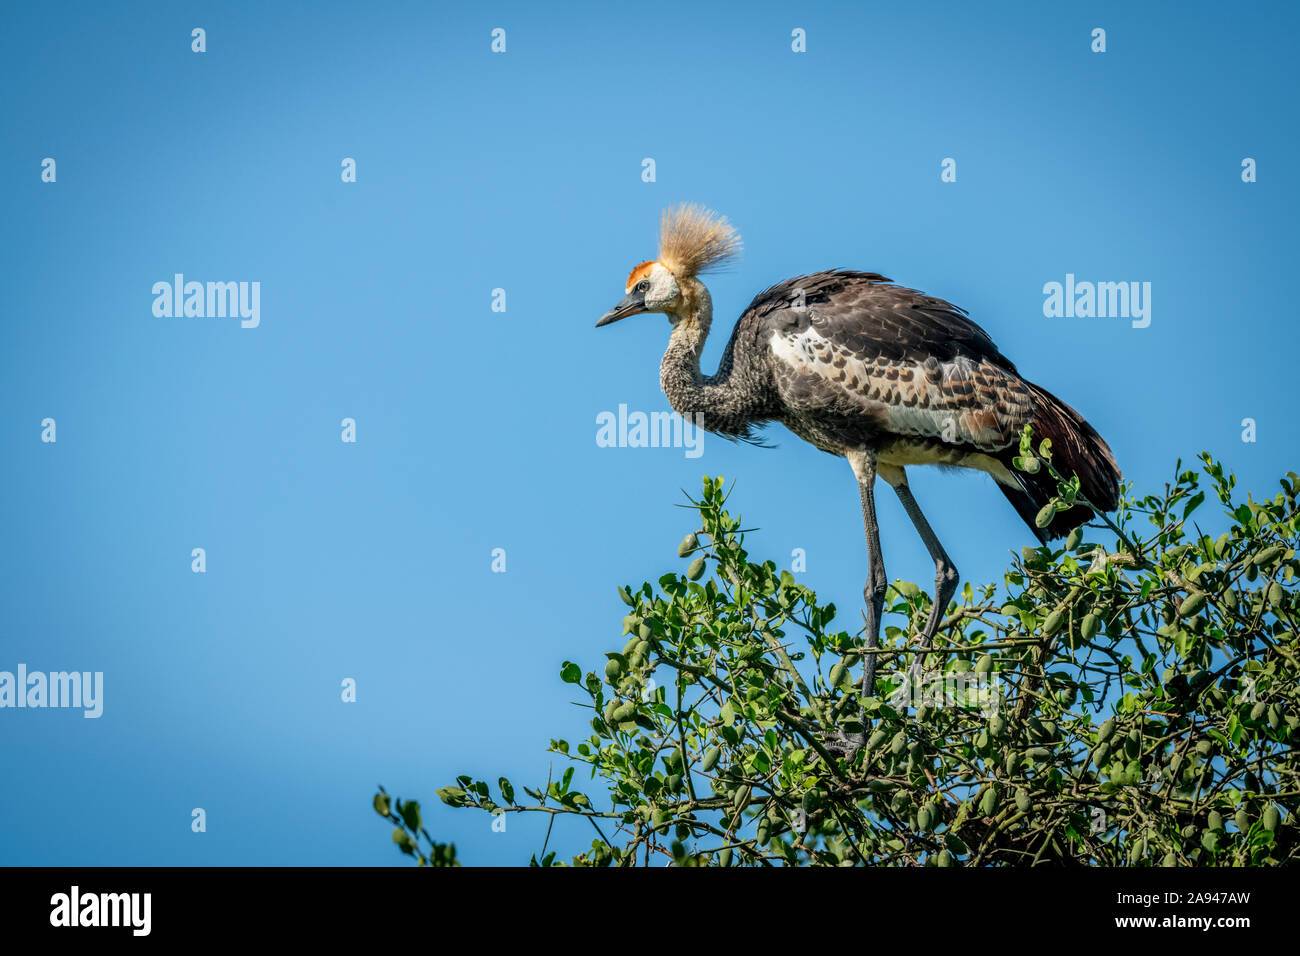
pixel 643 286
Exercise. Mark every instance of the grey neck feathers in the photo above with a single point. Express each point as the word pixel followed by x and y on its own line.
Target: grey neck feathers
pixel 714 402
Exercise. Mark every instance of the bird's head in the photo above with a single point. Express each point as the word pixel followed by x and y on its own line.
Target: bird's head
pixel 692 239
pixel 651 287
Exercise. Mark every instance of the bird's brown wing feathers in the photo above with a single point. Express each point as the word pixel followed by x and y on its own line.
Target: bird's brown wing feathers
pixel 857 360
pixel 870 360
pixel 862 305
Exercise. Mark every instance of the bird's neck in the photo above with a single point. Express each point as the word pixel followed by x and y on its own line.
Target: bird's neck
pixel 679 373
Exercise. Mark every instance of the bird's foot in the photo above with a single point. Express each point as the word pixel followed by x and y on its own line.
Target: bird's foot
pixel 845 744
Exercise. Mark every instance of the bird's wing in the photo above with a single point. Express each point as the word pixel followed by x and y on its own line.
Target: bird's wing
pixel 873 359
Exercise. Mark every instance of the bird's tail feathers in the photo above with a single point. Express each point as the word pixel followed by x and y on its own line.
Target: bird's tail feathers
pixel 1076 449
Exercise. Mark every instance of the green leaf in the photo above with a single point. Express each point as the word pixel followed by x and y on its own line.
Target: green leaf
pixel 1193 603
pixel 452 796
pixel 728 713
pixel 404 841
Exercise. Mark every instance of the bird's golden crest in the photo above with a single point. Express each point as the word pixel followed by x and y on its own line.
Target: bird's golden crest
pixel 693 239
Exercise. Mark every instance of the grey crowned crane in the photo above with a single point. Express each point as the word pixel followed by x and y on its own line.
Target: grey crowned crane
pixel 881 375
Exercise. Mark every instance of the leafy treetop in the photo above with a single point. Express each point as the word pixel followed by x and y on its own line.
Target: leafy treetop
pixel 1124 701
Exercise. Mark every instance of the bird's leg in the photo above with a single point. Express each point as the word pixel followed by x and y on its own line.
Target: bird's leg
pixel 945 575
pixel 873 594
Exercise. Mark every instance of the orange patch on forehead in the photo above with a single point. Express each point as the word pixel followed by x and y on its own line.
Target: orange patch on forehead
pixel 639 273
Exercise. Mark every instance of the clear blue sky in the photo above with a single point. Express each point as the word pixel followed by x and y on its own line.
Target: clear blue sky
pixel 476 429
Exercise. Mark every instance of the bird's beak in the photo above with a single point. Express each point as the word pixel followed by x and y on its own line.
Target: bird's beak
pixel 633 304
